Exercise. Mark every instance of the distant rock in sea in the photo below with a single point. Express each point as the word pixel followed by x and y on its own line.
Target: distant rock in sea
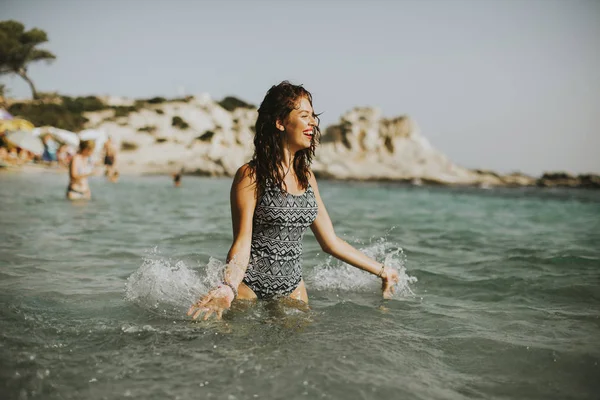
pixel 563 179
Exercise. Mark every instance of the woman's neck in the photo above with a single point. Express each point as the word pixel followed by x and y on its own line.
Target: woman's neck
pixel 287 160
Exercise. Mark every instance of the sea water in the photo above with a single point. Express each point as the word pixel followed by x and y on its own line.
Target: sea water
pixel 499 296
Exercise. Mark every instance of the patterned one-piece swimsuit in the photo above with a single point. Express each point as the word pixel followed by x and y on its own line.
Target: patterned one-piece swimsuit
pixel 280 220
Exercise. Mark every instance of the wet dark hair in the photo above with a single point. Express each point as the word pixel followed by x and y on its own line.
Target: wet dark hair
pixel 279 101
pixel 86 144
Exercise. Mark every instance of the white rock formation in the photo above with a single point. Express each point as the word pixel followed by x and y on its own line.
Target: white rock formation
pixel 216 142
pixel 366 146
pixel 363 146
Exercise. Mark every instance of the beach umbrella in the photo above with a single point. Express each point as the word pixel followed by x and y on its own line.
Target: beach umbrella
pixel 26 140
pixel 15 124
pixel 62 135
pixel 93 134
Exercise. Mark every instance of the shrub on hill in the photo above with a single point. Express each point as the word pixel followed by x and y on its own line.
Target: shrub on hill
pixel 206 136
pixel 156 100
pixel 230 103
pixel 147 128
pixel 124 111
pixel 83 104
pixel 128 146
pixel 53 114
pixel 178 122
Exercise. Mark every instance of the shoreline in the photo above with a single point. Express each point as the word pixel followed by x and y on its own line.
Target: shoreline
pixel 548 180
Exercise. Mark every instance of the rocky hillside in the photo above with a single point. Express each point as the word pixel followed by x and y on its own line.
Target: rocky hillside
pixel 365 146
pixel 204 138
pixel 212 138
pixel 197 134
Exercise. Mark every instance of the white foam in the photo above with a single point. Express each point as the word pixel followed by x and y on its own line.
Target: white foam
pixel 166 286
pixel 335 274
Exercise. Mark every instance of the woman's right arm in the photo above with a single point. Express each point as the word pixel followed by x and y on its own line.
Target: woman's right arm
pixel 73 168
pixel 243 202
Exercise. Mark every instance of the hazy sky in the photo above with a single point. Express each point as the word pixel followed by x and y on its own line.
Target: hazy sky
pixel 504 85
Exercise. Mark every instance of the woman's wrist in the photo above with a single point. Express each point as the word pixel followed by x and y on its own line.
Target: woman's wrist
pixel 381 274
pixel 233 273
pixel 230 286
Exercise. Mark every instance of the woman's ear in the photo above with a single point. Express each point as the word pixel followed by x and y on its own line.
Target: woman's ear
pixel 279 126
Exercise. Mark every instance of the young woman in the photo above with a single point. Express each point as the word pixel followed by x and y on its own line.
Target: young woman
pixel 79 170
pixel 274 198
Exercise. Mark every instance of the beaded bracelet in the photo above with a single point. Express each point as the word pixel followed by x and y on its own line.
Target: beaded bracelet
pixel 233 289
pixel 381 272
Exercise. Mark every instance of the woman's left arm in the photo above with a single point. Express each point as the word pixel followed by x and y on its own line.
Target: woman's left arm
pixel 340 249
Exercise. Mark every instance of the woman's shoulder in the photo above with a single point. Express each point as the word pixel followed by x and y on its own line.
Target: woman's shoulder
pixel 245 170
pixel 311 177
pixel 245 173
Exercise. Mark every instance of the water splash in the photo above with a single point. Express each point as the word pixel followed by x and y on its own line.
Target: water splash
pixel 334 274
pixel 169 287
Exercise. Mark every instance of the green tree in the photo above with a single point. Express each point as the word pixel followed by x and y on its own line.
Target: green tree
pixel 18 48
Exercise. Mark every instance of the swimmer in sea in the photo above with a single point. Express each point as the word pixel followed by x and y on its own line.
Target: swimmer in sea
pixel 79 170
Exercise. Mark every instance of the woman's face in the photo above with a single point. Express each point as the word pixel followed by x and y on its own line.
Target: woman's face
pixel 299 125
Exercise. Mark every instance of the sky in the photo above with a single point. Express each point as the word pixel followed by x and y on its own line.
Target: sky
pixel 506 85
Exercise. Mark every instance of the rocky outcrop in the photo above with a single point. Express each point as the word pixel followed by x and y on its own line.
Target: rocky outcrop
pixel 197 134
pixel 563 179
pixel 204 138
pixel 366 146
pixel 513 179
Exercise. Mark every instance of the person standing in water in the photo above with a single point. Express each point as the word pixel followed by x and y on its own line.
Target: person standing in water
pixel 177 178
pixel 274 198
pixel 110 157
pixel 79 170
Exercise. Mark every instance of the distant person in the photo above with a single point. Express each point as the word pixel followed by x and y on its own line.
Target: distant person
pixel 13 156
pixel 110 157
pixel 3 156
pixel 26 156
pixel 64 155
pixel 177 178
pixel 50 149
pixel 3 142
pixel 79 170
pixel 274 198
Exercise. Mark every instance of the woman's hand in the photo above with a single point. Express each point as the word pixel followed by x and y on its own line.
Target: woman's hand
pixel 215 302
pixel 389 278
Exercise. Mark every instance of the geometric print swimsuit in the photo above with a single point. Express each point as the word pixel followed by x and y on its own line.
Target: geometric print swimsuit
pixel 280 220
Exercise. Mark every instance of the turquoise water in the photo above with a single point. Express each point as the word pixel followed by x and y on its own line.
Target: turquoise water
pixel 500 296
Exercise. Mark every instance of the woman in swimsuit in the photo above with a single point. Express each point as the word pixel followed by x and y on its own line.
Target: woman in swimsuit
pixel 79 170
pixel 274 198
